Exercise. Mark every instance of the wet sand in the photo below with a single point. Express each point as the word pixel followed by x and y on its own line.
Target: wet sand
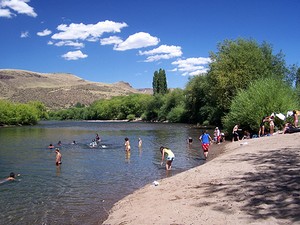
pixel 253 181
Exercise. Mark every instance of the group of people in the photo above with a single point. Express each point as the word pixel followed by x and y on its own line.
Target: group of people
pixel 268 119
pixel 165 152
pixel 290 127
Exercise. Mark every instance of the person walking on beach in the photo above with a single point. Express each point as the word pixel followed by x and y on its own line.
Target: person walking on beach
pixel 295 115
pixel 170 157
pixel 235 134
pixel 261 131
pixel 217 135
pixel 205 139
pixel 127 144
pixel 271 124
pixel 58 157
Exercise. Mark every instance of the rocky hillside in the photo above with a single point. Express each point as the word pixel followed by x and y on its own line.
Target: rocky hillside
pixel 56 90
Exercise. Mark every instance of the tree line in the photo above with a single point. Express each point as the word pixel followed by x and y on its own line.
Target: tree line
pixel 22 114
pixel 245 81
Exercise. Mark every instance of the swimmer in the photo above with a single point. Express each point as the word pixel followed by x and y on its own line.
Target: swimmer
pixel 51 146
pixel 11 177
pixel 93 144
pixel 170 157
pixel 190 140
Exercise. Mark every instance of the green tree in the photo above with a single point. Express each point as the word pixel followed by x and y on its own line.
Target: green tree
pixel 171 100
pixel 236 64
pixel 159 82
pixel 196 99
pixel 263 97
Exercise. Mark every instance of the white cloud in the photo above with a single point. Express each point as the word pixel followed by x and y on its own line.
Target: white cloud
pixel 20 6
pixel 89 32
pixel 45 32
pixel 24 34
pixel 6 13
pixel 112 40
pixel 192 66
pixel 137 40
pixel 70 43
pixel 162 52
pixel 75 55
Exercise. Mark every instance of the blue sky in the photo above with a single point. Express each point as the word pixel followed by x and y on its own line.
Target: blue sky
pixel 118 40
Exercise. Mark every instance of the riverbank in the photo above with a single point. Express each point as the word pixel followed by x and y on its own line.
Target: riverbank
pixel 253 181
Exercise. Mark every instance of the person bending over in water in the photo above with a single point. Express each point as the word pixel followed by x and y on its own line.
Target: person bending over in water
pixel 58 157
pixel 170 157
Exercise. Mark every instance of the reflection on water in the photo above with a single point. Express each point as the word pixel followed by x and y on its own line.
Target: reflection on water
pixel 83 188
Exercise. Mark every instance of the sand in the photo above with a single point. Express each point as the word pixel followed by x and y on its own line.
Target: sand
pixel 255 181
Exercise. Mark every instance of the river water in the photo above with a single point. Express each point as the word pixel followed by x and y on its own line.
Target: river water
pixel 90 180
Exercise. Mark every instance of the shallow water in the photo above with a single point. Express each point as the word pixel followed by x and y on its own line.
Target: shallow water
pixel 90 180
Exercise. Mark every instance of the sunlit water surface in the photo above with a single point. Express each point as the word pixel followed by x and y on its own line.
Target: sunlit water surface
pixel 90 180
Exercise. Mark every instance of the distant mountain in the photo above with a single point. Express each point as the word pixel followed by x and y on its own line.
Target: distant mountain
pixel 56 90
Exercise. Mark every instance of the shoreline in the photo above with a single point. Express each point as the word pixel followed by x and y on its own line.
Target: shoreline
pixel 254 181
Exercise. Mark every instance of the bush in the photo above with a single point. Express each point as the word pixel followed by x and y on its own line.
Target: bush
pixel 263 97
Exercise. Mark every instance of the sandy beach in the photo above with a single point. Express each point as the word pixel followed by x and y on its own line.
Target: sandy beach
pixel 255 181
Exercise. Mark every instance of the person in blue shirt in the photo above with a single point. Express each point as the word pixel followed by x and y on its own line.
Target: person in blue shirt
pixel 206 140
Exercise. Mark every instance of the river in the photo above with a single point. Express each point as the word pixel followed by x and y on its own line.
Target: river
pixel 90 180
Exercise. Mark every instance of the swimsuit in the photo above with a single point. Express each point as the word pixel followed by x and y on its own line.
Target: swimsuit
pixel 171 155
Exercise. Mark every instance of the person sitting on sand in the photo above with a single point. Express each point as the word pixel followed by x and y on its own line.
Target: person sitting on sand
pixel 170 157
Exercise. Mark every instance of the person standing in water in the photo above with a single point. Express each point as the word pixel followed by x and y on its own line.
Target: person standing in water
pixel 58 157
pixel 98 139
pixel 170 157
pixel 127 144
pixel 140 142
pixel 205 139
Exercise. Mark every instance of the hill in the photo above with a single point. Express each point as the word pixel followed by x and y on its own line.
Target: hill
pixel 56 90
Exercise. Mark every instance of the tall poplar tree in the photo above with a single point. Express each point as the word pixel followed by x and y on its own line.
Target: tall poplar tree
pixel 159 82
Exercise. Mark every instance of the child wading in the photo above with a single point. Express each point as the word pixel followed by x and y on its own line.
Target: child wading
pixel 170 157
